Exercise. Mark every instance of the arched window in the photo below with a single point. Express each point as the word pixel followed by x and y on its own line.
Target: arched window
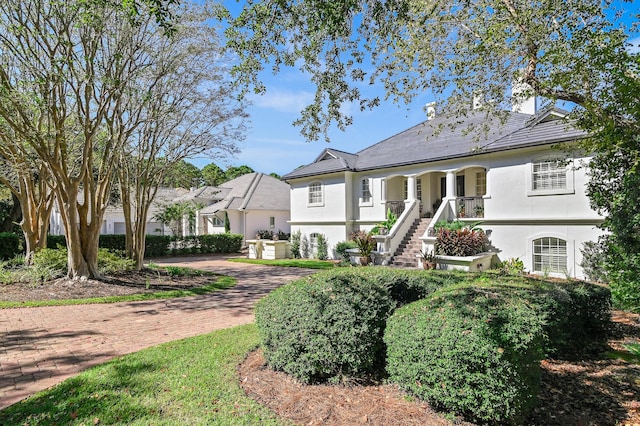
pixel 550 255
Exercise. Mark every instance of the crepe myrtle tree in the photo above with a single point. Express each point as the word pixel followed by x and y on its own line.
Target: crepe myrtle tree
pixel 575 52
pixel 69 74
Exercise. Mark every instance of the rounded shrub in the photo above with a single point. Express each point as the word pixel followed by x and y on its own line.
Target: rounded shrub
pixel 327 327
pixel 473 350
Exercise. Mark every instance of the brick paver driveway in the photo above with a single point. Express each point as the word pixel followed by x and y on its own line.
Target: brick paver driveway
pixel 40 347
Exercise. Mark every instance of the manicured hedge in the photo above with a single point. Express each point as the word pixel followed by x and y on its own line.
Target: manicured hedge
pixel 163 245
pixel 157 245
pixel 474 351
pixel 474 348
pixel 327 327
pixel 9 245
pixel 112 242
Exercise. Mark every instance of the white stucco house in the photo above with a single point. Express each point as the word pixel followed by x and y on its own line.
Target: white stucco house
pixel 113 219
pixel 252 202
pixel 528 194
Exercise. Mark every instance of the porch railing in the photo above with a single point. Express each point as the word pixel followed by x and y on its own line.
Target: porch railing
pixel 469 207
pixel 396 207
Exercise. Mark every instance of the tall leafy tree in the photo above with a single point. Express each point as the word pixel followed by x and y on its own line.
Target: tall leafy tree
pixel 237 171
pixel 182 106
pixel 182 174
pixel 213 175
pixel 67 73
pixel 575 51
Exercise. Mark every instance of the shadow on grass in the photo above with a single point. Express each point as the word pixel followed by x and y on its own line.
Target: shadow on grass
pixel 105 395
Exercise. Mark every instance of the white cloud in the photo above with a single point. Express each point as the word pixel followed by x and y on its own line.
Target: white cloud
pixel 284 100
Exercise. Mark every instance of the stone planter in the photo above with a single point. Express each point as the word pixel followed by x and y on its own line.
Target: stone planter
pixel 477 263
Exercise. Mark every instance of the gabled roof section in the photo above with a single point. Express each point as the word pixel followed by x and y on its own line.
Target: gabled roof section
pixel 253 191
pixel 551 113
pixel 329 161
pixel 448 137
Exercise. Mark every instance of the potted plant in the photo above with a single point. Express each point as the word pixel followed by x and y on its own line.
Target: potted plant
pixel 365 243
pixel 461 209
pixel 428 259
pixel 385 226
pixel 479 210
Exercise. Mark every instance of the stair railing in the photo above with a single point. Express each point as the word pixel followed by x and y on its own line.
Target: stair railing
pixel 388 244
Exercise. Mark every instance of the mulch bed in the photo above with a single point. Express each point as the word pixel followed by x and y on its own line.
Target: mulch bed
pixel 145 281
pixel 590 389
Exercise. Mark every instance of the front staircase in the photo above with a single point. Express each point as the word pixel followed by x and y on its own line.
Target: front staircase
pixel 405 255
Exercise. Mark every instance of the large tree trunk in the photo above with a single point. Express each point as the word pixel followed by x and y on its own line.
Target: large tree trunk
pixel 81 231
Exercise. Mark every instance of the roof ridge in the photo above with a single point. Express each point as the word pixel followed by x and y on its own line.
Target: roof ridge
pixel 251 190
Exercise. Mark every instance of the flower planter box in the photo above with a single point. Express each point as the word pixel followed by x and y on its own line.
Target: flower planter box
pixel 269 249
pixel 477 263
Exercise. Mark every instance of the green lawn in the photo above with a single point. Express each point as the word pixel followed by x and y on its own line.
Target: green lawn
pixel 291 263
pixel 186 382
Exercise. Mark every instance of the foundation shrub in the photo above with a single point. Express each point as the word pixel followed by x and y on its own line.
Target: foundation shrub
pixel 327 327
pixel 472 350
pixel 580 315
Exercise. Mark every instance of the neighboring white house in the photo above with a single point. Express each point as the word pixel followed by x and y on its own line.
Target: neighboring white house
pixel 528 194
pixel 113 220
pixel 253 202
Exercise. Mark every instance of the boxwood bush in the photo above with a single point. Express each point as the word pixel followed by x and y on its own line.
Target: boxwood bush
pixel 327 327
pixel 471 350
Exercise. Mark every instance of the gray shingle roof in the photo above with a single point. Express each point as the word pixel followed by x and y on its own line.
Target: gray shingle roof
pixel 448 137
pixel 253 191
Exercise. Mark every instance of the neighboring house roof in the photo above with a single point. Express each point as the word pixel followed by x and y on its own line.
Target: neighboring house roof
pixel 164 197
pixel 205 195
pixel 448 137
pixel 253 191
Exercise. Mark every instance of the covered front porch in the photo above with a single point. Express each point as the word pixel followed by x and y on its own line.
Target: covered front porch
pixel 439 195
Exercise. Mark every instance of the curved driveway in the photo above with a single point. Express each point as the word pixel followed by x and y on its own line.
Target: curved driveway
pixel 40 347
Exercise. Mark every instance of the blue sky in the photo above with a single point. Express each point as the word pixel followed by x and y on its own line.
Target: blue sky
pixel 273 144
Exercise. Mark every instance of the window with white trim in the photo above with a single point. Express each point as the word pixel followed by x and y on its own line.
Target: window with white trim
pixel 550 255
pixel 481 183
pixel 315 194
pixel 313 244
pixel 549 175
pixel 217 221
pixel 365 188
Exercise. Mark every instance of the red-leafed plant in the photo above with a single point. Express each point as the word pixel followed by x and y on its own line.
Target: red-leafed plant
pixel 460 242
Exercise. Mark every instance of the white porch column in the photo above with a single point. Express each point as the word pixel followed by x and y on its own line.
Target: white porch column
pixel 411 187
pixel 451 185
pixel 383 190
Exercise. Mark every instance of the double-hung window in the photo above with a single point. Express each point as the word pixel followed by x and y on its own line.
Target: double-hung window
pixel 315 194
pixel 365 191
pixel 550 255
pixel 549 175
